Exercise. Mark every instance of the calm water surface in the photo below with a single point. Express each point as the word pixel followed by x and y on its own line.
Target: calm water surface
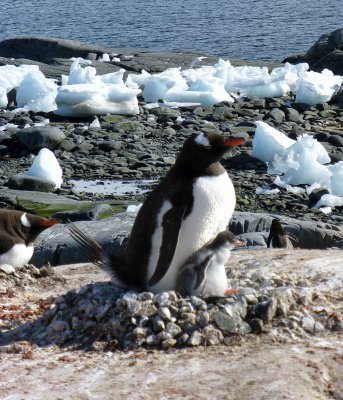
pixel 246 29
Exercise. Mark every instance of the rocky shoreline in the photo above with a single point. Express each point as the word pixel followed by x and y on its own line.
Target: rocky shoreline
pixel 282 325
pixel 145 146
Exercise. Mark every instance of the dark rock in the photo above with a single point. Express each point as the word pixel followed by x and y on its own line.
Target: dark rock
pixel 67 145
pixel 316 195
pixel 90 214
pixel 37 137
pixel 276 114
pixel 109 145
pixel 325 53
pixel 336 140
pixel 40 48
pixel 336 157
pixel 264 310
pixel 256 325
pixel 31 183
pixel 293 115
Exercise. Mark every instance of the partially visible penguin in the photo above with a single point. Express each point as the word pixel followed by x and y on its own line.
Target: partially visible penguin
pixel 188 208
pixel 277 238
pixel 18 230
pixel 203 274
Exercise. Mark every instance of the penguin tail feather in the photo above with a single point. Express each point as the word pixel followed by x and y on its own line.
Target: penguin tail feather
pixel 98 256
pixel 93 251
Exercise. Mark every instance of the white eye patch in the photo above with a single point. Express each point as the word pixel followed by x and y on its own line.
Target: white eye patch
pixel 24 221
pixel 202 140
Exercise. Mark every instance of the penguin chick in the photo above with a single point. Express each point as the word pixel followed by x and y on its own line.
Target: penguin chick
pixel 18 230
pixel 277 238
pixel 203 274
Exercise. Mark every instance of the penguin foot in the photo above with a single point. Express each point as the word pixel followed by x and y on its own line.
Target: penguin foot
pixel 230 292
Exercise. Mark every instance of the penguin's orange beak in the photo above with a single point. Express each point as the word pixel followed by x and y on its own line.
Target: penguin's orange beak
pixel 233 142
pixel 238 244
pixel 49 222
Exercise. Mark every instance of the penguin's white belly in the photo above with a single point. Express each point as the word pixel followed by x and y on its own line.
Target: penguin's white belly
pixel 216 282
pixel 17 256
pixel 213 203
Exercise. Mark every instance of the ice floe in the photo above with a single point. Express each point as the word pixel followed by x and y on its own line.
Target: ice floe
pixel 268 141
pixel 301 162
pixel 46 166
pixel 85 93
pixel 36 93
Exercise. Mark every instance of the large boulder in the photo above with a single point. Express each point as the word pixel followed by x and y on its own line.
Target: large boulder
pixel 38 137
pixel 327 52
pixel 44 48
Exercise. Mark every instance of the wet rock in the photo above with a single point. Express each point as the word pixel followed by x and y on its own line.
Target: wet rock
pixel 31 183
pixel 91 214
pixel 264 310
pixel 256 325
pixel 195 339
pixel 37 137
pixel 308 323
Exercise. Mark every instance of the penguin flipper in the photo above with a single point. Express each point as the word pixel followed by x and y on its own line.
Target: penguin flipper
pixel 201 270
pixel 6 244
pixel 171 226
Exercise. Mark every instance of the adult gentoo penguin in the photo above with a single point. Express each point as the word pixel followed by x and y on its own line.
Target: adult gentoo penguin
pixel 277 238
pixel 18 230
pixel 188 208
pixel 203 274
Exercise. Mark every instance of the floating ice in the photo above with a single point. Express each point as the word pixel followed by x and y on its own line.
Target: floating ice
pixel 289 188
pixel 104 58
pixel 84 93
pixel 336 179
pixel 329 200
pixel 268 141
pixel 37 93
pixel 46 166
pixel 302 162
pixel 326 210
pixel 315 87
pixel 11 77
pixel 95 124
pixel 266 190
pixel 133 209
pixel 8 126
pixel 3 97
pixel 45 122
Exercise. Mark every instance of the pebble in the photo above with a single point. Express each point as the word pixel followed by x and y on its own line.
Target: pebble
pixel 7 269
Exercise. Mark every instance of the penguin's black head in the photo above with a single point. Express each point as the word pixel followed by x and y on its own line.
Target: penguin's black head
pixel 33 225
pixel 25 225
pixel 225 238
pixel 203 149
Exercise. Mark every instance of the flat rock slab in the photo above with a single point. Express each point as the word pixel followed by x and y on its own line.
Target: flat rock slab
pixel 251 367
pixel 58 247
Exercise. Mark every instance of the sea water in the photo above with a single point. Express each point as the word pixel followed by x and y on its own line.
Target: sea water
pixel 251 29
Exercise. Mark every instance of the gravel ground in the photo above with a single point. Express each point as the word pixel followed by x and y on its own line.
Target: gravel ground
pixel 291 357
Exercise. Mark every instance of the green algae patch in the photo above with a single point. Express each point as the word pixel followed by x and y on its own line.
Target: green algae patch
pixel 46 204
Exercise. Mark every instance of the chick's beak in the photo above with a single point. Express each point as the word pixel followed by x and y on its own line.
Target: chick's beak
pixel 239 244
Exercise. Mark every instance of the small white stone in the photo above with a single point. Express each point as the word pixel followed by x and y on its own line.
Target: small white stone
pixel 7 268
